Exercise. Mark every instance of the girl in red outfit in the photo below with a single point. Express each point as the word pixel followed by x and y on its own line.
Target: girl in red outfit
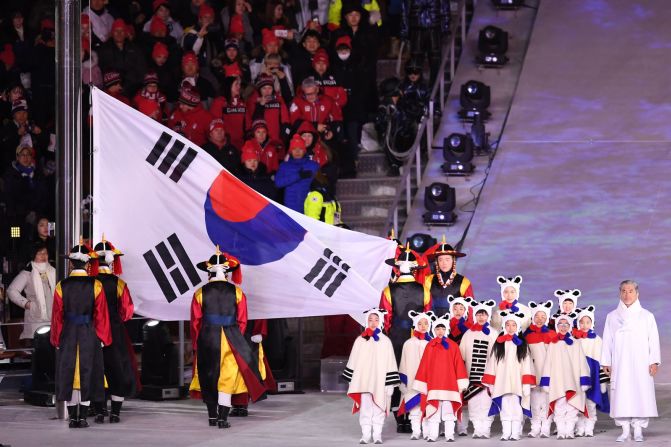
pixel 231 108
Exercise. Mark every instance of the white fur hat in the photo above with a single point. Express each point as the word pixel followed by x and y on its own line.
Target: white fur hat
pixel 445 321
pixel 416 316
pixel 510 282
pixel 466 301
pixel 545 307
pixel 379 312
pixel 569 294
pixel 586 312
pixel 511 316
pixel 566 317
pixel 486 306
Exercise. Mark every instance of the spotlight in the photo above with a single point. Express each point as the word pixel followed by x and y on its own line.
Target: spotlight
pixel 508 4
pixel 474 99
pixel 159 363
pixel 458 154
pixel 15 232
pixel 420 242
pixel 43 371
pixel 439 201
pixel 493 45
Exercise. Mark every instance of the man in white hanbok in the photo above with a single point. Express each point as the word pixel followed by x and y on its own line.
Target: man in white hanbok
pixel 631 356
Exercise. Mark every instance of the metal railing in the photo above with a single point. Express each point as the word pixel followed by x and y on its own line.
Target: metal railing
pixel 425 129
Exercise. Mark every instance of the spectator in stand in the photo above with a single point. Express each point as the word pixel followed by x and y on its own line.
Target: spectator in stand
pixel 300 56
pixel 113 86
pixel 231 62
pixel 43 74
pixel 191 76
pixel 204 40
pixel 9 72
pixel 14 92
pixel 274 14
pixel 101 22
pixel 413 87
pixel 271 46
pixel 190 10
pixel 150 108
pixel 117 54
pixel 310 11
pixel 20 37
pixel 272 65
pixel 231 108
pixel 18 131
pixel 253 174
pixel 152 92
pixel 318 109
pixel 25 193
pixel 33 290
pixel 190 116
pixel 318 151
pixel 91 73
pixel 270 152
pixel 264 104
pixel 235 19
pixel 162 12
pixel 168 75
pixel 39 237
pixel 336 7
pixel 220 149
pixel 326 80
pixel 158 32
pixel 295 175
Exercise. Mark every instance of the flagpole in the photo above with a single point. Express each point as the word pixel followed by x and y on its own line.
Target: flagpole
pixel 68 129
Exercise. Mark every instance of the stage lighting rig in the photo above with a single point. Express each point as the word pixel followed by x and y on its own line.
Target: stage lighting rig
pixel 458 154
pixel 492 45
pixel 159 363
pixel 474 98
pixel 420 242
pixel 439 201
pixel 508 4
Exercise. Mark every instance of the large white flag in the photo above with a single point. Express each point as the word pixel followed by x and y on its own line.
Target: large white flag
pixel 165 203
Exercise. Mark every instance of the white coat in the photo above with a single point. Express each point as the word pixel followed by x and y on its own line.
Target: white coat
pixel 29 282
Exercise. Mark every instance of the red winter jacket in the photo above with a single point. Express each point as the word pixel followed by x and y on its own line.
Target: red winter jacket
pixel 275 114
pixel 323 111
pixel 234 118
pixel 270 153
pixel 315 152
pixel 196 123
pixel 330 87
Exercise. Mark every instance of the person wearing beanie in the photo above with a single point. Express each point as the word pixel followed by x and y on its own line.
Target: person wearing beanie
pixel 119 54
pixel 112 83
pixel 205 40
pixel 17 129
pixel 162 13
pixel 150 91
pixel 326 80
pixel 254 174
pixel 270 152
pixel 236 23
pixel 164 64
pixel 80 326
pixel 190 115
pixel 539 337
pixel 509 376
pixel 264 104
pixel 232 62
pixel 220 149
pixel 510 294
pixel 295 175
pixel 191 75
pixel 119 358
pixel 231 108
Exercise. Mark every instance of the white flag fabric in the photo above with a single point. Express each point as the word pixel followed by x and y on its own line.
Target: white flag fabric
pixel 165 203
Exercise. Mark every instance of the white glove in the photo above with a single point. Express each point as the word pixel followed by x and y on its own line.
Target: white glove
pixel 257 338
pixel 526 390
pixel 102 345
pixel 389 389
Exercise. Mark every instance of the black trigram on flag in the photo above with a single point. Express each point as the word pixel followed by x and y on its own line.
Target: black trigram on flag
pixel 173 262
pixel 328 273
pixel 175 153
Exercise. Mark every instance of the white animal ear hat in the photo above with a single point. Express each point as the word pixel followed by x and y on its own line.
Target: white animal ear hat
pixel 467 302
pixel 569 318
pixel 379 312
pixel 545 307
pixel 416 316
pixel 509 282
pixel 586 312
pixel 569 294
pixel 445 321
pixel 507 316
pixel 487 306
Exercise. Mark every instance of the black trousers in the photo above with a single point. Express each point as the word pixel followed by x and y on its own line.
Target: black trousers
pixel 426 41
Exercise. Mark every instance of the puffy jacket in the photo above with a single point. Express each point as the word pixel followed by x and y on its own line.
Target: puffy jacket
pixel 295 187
pixel 425 14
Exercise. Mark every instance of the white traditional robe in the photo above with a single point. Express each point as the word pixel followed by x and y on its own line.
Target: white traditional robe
pixel 413 349
pixel 566 373
pixel 630 346
pixel 509 376
pixel 526 321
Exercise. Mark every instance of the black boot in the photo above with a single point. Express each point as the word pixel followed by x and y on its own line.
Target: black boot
pixel 222 416
pixel 72 415
pixel 83 412
pixel 400 423
pixel 243 412
pixel 212 414
pixel 98 413
pixel 116 411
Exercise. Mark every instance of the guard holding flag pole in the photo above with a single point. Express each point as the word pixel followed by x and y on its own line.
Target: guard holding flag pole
pixel 119 357
pixel 79 329
pixel 224 364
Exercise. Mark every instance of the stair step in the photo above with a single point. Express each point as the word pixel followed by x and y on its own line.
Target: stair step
pixel 368 186
pixel 367 207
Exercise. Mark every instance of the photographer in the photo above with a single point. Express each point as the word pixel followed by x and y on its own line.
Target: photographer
pixel 20 127
pixel 265 105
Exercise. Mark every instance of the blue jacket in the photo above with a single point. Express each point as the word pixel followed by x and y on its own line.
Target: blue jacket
pixel 296 188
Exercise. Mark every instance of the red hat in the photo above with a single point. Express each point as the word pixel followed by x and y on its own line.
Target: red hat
pixel 296 142
pixel 47 24
pixel 189 56
pixel 306 127
pixel 160 49
pixel 85 19
pixel 236 26
pixel 232 70
pixel 148 106
pixel 150 78
pixel 111 78
pixel 118 24
pixel 189 96
pixel 130 30
pixel 344 41
pixel 204 10
pixel 268 36
pixel 263 80
pixel 158 3
pixel 259 123
pixel 320 56
pixel 217 123
pixel 249 151
pixel 156 25
pixel 7 56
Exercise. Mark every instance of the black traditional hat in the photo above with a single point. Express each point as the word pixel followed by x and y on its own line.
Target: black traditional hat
pixel 443 248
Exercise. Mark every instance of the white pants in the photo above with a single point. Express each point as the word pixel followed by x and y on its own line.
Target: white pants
pixel 586 424
pixel 539 412
pixel 511 410
pixel 478 408
pixel 224 399
pixel 76 399
pixel 633 422
pixel 371 418
pixel 415 417
pixel 566 417
pixel 444 413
